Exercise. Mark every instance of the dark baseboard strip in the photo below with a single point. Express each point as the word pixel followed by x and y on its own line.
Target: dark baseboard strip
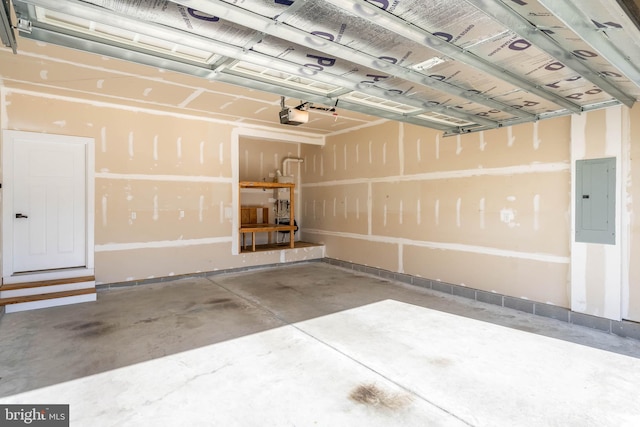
pixel 622 328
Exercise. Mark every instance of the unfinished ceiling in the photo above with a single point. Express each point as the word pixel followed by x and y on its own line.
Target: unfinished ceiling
pixel 454 65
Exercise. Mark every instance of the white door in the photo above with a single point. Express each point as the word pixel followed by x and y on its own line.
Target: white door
pixel 49 203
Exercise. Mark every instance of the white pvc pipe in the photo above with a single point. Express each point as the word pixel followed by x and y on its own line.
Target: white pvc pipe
pixel 287 160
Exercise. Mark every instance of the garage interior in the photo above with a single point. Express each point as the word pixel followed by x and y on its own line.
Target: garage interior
pixel 316 211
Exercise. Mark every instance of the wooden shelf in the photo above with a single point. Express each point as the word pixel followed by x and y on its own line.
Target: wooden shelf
pixel 42 297
pixel 249 214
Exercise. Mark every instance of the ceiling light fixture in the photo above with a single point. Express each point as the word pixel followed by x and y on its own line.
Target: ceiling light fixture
pixel 429 63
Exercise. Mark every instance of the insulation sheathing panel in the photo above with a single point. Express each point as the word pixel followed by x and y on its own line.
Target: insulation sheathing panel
pixel 559 79
pixel 335 25
pixel 180 17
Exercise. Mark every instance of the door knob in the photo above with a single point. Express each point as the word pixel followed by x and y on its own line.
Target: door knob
pixel 19 215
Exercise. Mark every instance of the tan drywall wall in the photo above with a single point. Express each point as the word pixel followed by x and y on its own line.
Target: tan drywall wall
pixel 599 271
pixel 68 72
pixel 260 158
pixel 341 208
pixel 492 211
pixel 487 210
pixel 158 179
pixel 531 279
pixel 540 142
pixel 360 251
pixel 633 206
pixel 368 153
pixel 163 184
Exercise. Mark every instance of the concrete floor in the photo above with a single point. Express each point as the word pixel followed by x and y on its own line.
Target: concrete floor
pixel 313 344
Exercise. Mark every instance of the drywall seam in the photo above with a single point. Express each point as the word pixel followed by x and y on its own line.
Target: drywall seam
pixel 191 97
pixel 536 136
pixel 345 157
pixel 335 158
pixel 155 148
pixel 578 249
pixel 4 115
pixel 578 279
pixel 511 139
pixel 279 135
pixel 401 147
pixel 370 209
pixel 612 303
pixel 105 210
pixel 113 247
pixel 164 178
pixel 627 211
pixel 614 253
pixel 468 173
pixel 483 250
pixel 613 118
pixel 578 136
pixel 235 191
pixel 118 98
pixel 357 128
pixel 157 112
pixel 126 74
pixel 131 145
pixel 103 139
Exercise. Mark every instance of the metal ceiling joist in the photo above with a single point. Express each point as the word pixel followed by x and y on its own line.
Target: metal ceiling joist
pixel 343 104
pixel 519 25
pixel 249 19
pixel 124 52
pixel 117 50
pixel 97 14
pixel 369 109
pixel 387 20
pixel 293 8
pixel 94 13
pixel 7 36
pixel 543 116
pixel 239 80
pixel 573 17
pixel 221 63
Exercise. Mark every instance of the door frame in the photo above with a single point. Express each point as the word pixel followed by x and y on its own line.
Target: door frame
pixel 8 275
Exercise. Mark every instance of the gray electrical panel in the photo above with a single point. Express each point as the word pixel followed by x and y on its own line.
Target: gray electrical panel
pixel 596 201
